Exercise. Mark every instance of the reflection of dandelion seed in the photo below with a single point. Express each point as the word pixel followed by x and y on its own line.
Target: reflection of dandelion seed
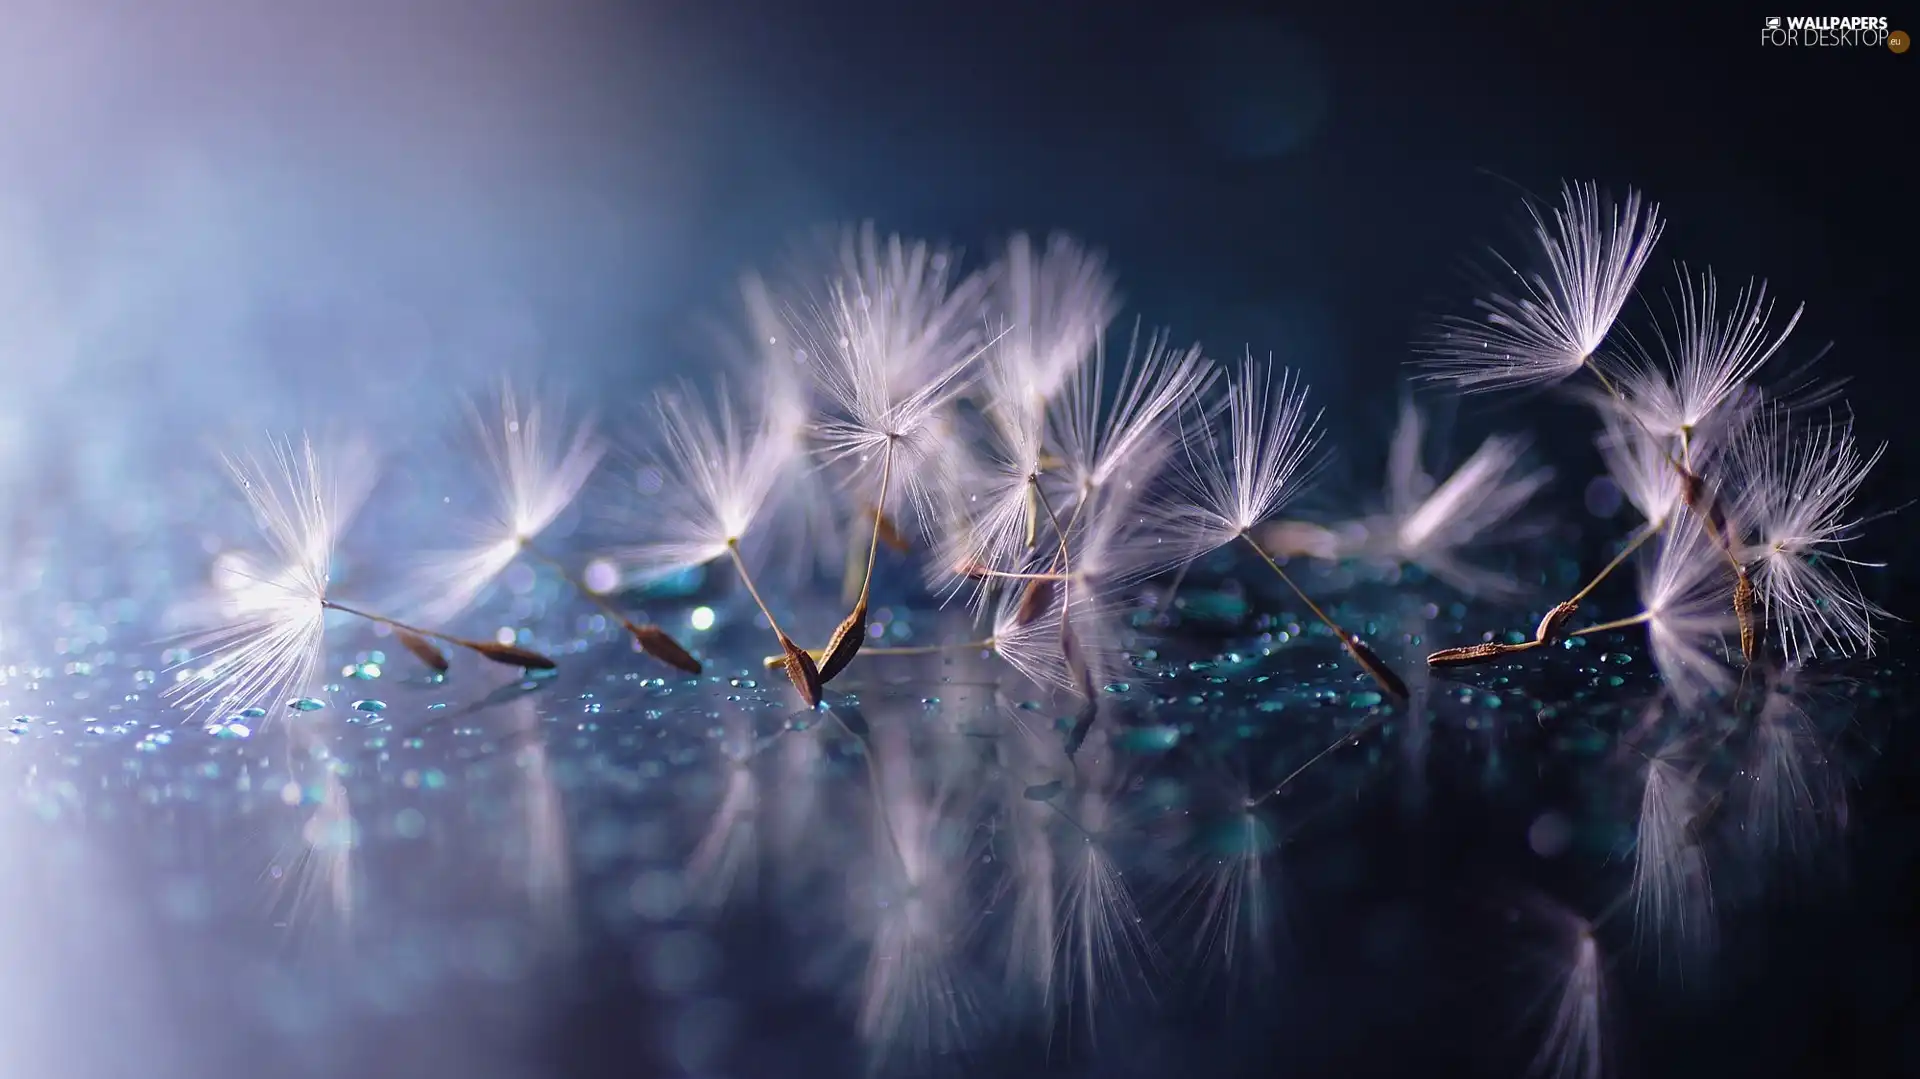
pixel 1103 954
pixel 1574 1046
pixel 313 879
pixel 1672 892
pixel 1226 894
pixel 726 855
pixel 917 999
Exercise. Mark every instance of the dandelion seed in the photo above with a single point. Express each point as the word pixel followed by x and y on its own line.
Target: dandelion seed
pixel 1672 892
pixel 893 350
pixel 1796 484
pixel 1693 396
pixel 1684 597
pixel 1574 1046
pixel 1231 486
pixel 1590 252
pixel 1101 444
pixel 272 608
pixel 537 469
pixel 1432 525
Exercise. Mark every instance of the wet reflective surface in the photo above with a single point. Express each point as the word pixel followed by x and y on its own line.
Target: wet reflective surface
pixel 618 869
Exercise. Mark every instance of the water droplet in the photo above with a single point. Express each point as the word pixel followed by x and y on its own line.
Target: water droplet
pixel 253 713
pixel 1365 699
pixel 1116 687
pixel 371 706
pixel 306 704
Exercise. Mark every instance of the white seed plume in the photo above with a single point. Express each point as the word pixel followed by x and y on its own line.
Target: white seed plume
pixel 1590 254
pixel 537 468
pixel 1575 1042
pixel 1102 444
pixel 271 620
pixel 1640 466
pixel 717 472
pixel 1434 526
pixel 1056 307
pixel 1672 891
pixel 805 508
pixel 1692 395
pixel 1796 483
pixel 893 348
pixel 1687 599
pixel 1229 485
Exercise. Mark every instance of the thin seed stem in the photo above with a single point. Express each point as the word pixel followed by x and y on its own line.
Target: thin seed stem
pixel 393 623
pixel 879 514
pixel 1640 619
pixel 929 649
pixel 1304 598
pixel 1255 803
pixel 733 551
pixel 574 582
pixel 1004 575
pixel 1644 533
pixel 1066 567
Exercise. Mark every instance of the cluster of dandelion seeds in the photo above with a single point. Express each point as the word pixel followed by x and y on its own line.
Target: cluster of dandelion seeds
pixel 988 439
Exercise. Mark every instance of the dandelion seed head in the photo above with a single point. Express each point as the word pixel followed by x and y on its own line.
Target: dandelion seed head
pixel 1796 484
pixel 1687 596
pixel 1695 389
pixel 1550 321
pixel 537 465
pixel 1641 467
pixel 1227 486
pixel 1433 525
pixel 264 643
pixel 1102 443
pixel 719 468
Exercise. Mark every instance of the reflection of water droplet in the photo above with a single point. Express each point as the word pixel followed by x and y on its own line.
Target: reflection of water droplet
pixel 370 706
pixel 366 672
pixel 306 704
pixel 253 713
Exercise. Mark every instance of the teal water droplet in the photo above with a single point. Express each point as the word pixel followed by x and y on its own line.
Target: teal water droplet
pixel 370 706
pixel 1151 739
pixel 306 704
pixel 1365 699
pixel 366 672
pixel 253 713
pixel 1618 658
pixel 233 730
pixel 1116 687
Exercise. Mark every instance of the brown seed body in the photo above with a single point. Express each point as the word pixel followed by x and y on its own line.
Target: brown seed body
pixel 1378 668
pixel 1743 609
pixel 512 655
pixel 1036 600
pixel 423 650
pixel 657 643
pixel 1555 621
pixel 802 671
pixel 1472 654
pixel 845 644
